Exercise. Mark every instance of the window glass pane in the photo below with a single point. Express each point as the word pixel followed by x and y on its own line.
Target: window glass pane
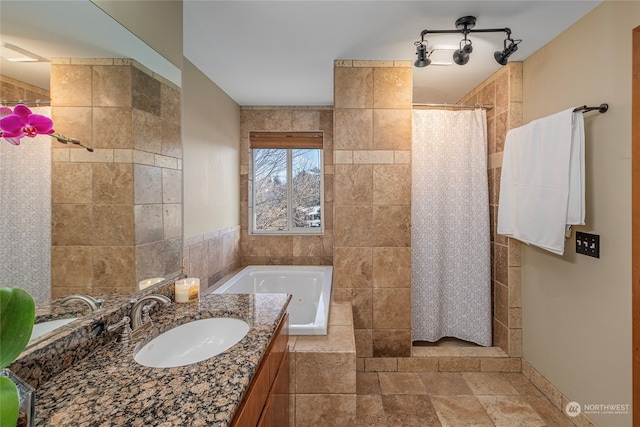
pixel 270 189
pixel 305 187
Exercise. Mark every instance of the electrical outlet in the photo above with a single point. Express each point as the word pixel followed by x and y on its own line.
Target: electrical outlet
pixel 588 244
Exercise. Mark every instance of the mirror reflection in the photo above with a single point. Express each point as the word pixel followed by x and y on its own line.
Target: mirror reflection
pixel 93 224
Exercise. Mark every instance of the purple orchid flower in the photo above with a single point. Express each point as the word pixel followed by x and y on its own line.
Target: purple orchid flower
pixel 22 122
pixel 4 112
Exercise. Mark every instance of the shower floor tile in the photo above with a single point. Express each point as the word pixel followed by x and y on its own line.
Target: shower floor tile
pixel 450 351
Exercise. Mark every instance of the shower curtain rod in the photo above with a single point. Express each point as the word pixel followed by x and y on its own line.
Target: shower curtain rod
pixel 36 102
pixel 487 106
pixel 602 108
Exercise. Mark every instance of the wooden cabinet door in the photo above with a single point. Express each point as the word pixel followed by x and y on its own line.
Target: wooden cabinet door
pixel 276 410
pixel 272 375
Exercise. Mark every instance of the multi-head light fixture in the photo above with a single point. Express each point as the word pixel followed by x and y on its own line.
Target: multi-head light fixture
pixel 465 25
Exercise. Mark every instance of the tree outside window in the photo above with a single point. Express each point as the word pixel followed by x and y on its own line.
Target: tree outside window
pixel 287 191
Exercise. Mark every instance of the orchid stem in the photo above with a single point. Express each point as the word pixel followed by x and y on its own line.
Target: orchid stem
pixel 64 140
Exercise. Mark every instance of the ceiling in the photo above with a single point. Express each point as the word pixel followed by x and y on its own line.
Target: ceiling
pixel 282 52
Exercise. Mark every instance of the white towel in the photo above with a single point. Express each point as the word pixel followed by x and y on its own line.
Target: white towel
pixel 542 183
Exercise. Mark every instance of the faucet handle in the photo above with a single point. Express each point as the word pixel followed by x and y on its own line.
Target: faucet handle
pixel 145 312
pixel 125 334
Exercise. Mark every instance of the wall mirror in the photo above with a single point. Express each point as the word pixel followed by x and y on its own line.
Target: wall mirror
pixel 82 31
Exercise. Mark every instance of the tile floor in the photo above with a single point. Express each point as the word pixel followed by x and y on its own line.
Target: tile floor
pixel 456 399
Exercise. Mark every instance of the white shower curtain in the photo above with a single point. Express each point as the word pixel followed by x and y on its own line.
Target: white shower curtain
pixel 451 262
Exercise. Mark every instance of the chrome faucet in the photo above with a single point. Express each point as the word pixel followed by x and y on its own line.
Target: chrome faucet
pixel 125 334
pixel 140 311
pixel 93 303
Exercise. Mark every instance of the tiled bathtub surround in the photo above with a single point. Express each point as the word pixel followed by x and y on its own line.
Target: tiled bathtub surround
pixel 372 202
pixel 212 256
pixel 116 213
pixel 288 250
pixel 323 373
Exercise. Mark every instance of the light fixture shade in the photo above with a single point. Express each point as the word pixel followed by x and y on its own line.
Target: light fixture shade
pixel 500 57
pixel 461 56
pixel 503 57
pixel 422 60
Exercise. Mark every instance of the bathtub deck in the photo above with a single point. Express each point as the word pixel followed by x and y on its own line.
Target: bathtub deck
pixel 323 373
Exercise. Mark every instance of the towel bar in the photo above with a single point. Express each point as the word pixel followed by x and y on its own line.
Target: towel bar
pixel 601 109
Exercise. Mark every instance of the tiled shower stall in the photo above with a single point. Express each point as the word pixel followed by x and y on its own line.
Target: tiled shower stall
pixel 372 254
pixel 367 180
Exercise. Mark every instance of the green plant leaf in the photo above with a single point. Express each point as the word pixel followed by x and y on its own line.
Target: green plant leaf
pixel 9 402
pixel 17 314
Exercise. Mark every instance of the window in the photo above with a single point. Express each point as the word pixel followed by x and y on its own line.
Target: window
pixel 286 187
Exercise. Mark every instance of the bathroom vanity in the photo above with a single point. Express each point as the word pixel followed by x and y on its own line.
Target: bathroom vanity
pixel 246 385
pixel 266 403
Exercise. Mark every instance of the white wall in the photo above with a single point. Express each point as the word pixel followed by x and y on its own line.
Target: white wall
pixel 211 155
pixel 156 22
pixel 577 309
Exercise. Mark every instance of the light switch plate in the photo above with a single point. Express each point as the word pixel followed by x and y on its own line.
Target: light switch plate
pixel 588 244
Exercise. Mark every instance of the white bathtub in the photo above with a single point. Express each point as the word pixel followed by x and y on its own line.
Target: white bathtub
pixel 309 286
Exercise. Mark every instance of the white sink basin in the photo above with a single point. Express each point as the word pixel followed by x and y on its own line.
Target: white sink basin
pixel 40 329
pixel 192 342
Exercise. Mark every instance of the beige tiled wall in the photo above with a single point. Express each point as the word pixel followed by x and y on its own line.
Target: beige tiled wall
pixel 16 90
pixel 322 372
pixel 116 214
pixel 372 202
pixel 287 250
pixel 368 184
pixel 503 90
pixel 212 256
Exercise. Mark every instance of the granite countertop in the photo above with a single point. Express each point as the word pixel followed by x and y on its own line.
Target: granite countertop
pixel 108 388
pixel 54 310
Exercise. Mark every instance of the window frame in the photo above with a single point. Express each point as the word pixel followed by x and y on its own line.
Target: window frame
pixel 288 141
